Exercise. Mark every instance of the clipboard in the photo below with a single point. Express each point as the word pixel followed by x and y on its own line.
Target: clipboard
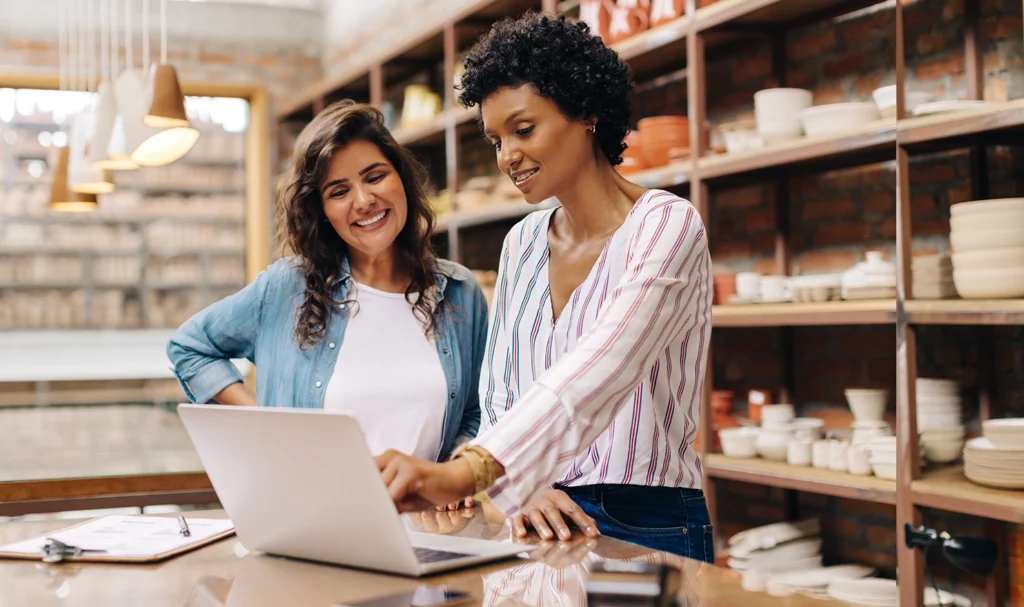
pixel 124 539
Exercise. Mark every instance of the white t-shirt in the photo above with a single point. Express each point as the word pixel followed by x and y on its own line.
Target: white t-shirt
pixel 389 376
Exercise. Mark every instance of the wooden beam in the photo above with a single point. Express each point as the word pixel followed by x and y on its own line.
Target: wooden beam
pixel 377 85
pixel 974 72
pixel 258 208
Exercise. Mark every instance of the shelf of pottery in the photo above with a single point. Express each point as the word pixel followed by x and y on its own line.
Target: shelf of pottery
pixel 785 559
pixel 169 240
pixel 773 433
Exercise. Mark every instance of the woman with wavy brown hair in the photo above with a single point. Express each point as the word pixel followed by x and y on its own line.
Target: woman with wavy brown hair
pixel 358 302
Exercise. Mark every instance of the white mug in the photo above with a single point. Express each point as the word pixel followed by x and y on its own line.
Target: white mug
pixel 859 460
pixel 820 453
pixel 838 460
pixel 799 452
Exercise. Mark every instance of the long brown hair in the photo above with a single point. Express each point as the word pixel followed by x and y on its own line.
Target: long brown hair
pixel 305 232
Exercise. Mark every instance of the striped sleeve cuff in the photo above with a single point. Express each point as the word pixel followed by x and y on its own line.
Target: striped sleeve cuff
pixel 526 444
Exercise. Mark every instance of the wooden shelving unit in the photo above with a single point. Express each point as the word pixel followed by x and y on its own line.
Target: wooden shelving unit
pixel 948 489
pixel 801 478
pixel 867 312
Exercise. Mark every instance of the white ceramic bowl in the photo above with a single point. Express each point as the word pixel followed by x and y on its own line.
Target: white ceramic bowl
pixel 777 414
pixel 837 117
pixel 999 283
pixel 741 136
pixel 1005 433
pixel 1001 237
pixel 885 100
pixel 739 442
pixel 989 259
pixel 942 450
pixel 748 285
pixel 773 444
pixel 777 112
pixel 983 222
pixel 867 405
pixel 884 470
pixel 808 427
pixel 995 205
pixel 932 386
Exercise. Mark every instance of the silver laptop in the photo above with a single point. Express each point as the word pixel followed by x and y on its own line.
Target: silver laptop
pixel 302 483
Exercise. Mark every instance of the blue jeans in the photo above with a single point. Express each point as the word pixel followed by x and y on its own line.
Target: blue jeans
pixel 668 519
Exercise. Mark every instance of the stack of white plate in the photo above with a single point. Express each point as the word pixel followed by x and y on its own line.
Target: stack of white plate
pixel 939 419
pixel 873 278
pixel 813 581
pixel 761 552
pixel 872 591
pixel 882 450
pixel 933 277
pixel 997 459
pixel 988 243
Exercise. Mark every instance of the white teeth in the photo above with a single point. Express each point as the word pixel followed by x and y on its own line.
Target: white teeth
pixel 524 176
pixel 371 221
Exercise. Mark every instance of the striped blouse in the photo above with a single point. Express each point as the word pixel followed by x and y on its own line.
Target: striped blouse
pixel 610 391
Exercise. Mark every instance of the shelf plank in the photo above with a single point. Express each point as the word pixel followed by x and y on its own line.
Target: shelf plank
pixel 870 141
pixel 98 218
pixel 867 312
pixel 956 129
pixel 488 214
pixel 965 312
pixel 670 175
pixel 433 132
pixel 801 478
pixel 948 489
pixel 762 12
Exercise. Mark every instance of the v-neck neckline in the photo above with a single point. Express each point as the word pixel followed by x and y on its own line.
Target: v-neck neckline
pixel 597 262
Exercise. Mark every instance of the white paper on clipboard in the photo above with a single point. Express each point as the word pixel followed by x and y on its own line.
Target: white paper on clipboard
pixel 127 536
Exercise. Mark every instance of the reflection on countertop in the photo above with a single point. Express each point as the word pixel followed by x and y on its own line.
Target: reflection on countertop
pixel 226 574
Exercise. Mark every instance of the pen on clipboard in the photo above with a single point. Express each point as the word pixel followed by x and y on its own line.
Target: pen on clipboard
pixel 183 527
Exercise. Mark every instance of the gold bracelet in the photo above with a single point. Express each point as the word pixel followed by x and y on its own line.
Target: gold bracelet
pixel 482 463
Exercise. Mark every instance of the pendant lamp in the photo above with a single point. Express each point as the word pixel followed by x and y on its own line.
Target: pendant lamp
pixel 83 177
pixel 166 111
pixel 107 149
pixel 63 199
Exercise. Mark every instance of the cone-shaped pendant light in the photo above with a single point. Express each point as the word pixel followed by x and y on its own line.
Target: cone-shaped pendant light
pixel 62 198
pixel 83 177
pixel 107 148
pixel 166 111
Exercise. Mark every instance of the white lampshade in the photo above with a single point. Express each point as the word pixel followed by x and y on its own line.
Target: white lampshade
pixel 108 125
pixel 83 177
pixel 166 146
pixel 132 105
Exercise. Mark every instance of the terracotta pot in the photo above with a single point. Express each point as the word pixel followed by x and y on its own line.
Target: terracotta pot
pixel 721 403
pixel 660 134
pixel 627 18
pixel 666 10
pixel 724 287
pixel 632 156
pixel 703 3
pixel 595 14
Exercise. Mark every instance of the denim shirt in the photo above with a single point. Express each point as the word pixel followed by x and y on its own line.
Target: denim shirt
pixel 258 322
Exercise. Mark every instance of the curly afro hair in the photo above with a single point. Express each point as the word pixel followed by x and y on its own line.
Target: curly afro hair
pixel 565 62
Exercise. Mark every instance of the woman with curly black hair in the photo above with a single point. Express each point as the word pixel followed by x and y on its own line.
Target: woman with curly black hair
pixel 602 313
pixel 358 299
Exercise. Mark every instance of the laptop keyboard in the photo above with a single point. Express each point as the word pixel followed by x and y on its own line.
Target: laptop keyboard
pixel 427 555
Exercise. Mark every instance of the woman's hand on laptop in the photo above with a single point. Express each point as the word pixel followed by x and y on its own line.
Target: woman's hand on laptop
pixel 415 484
pixel 545 512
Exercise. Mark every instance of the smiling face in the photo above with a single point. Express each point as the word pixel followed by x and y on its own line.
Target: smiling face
pixel 364 199
pixel 540 149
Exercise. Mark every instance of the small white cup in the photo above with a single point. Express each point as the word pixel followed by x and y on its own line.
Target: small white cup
pixel 748 285
pixel 838 460
pixel 820 453
pixel 799 452
pixel 859 460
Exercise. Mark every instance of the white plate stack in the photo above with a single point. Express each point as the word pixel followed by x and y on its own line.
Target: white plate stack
pixel 813 581
pixel 882 452
pixel 871 591
pixel 988 243
pixel 761 552
pixel 997 458
pixel 933 277
pixel 939 419
pixel 873 278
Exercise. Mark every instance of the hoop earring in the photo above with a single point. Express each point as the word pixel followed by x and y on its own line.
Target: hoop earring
pixel 592 128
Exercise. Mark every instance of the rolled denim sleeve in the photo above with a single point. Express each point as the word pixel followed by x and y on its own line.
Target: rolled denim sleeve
pixel 477 313
pixel 201 349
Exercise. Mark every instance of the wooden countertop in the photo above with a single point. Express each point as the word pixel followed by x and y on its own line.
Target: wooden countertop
pixel 225 574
